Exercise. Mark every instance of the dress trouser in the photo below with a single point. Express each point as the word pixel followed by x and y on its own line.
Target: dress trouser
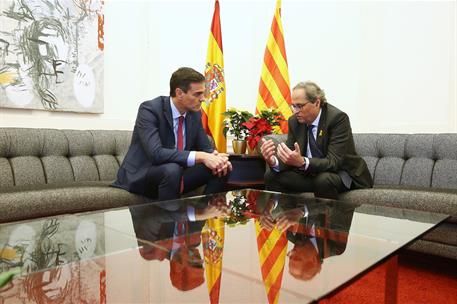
pixel 325 184
pixel 164 181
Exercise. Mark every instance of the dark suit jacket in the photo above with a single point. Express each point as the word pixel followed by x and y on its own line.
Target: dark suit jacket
pixel 334 139
pixel 152 224
pixel 153 143
pixel 331 217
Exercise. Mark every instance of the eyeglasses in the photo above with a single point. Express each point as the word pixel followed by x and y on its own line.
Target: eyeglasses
pixel 298 106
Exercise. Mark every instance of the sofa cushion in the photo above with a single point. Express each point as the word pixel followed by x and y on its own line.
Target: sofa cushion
pixel 27 170
pixel 79 142
pixel 55 143
pixel 431 200
pixel 57 169
pixel 417 171
pixel 43 200
pixel 388 171
pixel 104 142
pixel 420 146
pixel 445 174
pixel 25 142
pixel 445 146
pixel 84 168
pixel 107 167
pixel 4 144
pixel 391 145
pixel 428 247
pixel 6 173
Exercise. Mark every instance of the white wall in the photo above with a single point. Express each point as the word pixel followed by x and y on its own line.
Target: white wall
pixel 390 65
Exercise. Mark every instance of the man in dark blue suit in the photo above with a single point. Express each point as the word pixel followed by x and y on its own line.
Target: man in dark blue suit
pixel 170 152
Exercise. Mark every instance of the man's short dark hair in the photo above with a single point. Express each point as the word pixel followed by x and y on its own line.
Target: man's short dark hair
pixel 182 78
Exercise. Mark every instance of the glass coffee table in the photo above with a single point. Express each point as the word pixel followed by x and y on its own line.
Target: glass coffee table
pixel 245 246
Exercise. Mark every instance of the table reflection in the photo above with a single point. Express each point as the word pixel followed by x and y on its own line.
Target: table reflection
pixel 315 230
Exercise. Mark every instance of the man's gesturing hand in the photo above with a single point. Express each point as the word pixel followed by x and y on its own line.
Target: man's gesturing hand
pixel 289 157
pixel 268 151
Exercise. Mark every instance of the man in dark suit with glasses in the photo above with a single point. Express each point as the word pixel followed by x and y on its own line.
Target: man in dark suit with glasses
pixel 319 155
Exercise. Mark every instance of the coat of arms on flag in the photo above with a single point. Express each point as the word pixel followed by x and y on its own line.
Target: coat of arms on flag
pixel 214 85
pixel 213 245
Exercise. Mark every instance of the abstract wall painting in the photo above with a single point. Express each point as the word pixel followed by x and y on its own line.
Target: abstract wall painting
pixel 51 55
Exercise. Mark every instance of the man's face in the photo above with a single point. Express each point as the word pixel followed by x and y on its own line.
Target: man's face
pixel 304 262
pixel 191 101
pixel 305 111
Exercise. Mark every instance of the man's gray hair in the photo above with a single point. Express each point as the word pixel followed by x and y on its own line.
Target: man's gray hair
pixel 312 91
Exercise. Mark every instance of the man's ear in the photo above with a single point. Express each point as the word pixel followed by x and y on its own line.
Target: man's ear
pixel 179 92
pixel 318 103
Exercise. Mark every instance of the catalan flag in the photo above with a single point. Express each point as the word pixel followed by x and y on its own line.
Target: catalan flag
pixel 214 105
pixel 274 87
pixel 213 245
pixel 272 247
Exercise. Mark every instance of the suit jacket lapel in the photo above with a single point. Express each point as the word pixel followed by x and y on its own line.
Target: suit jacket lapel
pixel 321 131
pixel 167 111
pixel 302 140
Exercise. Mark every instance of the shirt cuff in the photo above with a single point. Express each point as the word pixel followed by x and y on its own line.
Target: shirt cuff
pixel 191 213
pixel 191 159
pixel 306 165
pixel 275 167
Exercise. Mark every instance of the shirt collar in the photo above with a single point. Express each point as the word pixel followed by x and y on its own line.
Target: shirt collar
pixel 174 111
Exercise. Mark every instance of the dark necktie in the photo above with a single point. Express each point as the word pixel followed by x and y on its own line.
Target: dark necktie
pixel 179 235
pixel 180 146
pixel 180 143
pixel 315 151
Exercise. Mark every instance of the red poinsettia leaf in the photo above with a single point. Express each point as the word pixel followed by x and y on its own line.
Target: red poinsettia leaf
pixel 249 125
pixel 251 142
pixel 251 199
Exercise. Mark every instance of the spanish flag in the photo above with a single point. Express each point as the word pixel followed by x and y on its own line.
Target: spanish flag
pixel 274 87
pixel 213 245
pixel 272 248
pixel 214 105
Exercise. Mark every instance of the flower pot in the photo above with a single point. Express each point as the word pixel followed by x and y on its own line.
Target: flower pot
pixel 239 146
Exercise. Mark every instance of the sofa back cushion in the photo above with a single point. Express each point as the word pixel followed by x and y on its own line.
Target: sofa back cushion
pixel 48 156
pixel 423 160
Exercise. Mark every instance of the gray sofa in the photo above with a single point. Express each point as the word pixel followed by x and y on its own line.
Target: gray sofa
pixel 412 171
pixel 46 172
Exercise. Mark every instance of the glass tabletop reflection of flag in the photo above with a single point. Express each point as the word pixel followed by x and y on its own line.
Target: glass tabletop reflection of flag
pixel 272 248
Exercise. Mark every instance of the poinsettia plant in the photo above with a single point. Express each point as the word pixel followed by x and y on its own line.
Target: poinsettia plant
pixel 262 124
pixel 233 123
pixel 242 207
